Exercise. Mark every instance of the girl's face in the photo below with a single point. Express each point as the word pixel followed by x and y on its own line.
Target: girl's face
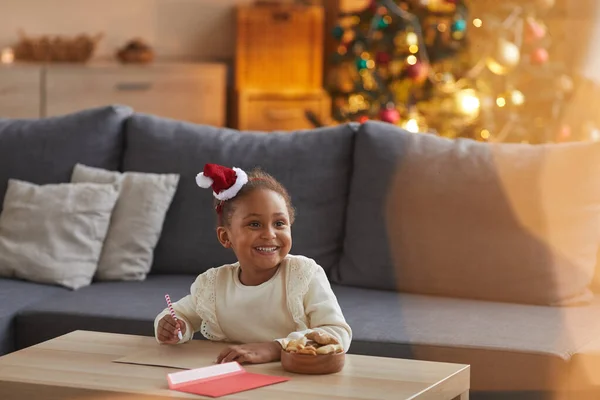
pixel 259 231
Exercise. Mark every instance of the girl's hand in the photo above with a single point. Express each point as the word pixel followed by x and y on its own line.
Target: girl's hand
pixel 167 330
pixel 253 353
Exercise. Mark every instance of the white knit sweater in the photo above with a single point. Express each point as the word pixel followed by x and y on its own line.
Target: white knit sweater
pixel 296 300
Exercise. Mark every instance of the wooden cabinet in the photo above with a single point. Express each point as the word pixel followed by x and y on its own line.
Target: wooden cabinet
pixel 279 67
pixel 276 111
pixel 279 46
pixel 20 91
pixel 189 92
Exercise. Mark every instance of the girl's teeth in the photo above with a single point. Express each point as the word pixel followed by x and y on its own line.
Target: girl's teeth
pixel 266 249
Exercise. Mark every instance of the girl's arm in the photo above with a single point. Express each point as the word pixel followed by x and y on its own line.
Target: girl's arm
pixel 185 310
pixel 323 312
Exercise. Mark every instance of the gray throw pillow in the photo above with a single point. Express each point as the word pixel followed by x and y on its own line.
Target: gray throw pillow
pixel 136 221
pixel 503 222
pixel 54 233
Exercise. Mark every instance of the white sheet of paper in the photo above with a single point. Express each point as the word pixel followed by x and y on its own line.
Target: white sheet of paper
pixel 180 378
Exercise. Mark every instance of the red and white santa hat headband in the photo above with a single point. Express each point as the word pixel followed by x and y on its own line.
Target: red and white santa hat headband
pixel 225 182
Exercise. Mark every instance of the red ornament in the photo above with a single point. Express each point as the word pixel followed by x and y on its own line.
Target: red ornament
pixel 539 56
pixel 362 119
pixel 383 58
pixel 534 30
pixel 418 72
pixel 389 114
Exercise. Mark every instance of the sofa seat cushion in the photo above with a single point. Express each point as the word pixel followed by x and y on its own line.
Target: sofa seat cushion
pixel 120 307
pixel 45 150
pixel 14 296
pixel 509 346
pixel 315 166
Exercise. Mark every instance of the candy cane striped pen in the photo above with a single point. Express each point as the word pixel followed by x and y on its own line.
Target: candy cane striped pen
pixel 173 314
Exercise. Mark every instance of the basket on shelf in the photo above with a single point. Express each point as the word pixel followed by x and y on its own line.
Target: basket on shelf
pixel 56 48
pixel 135 51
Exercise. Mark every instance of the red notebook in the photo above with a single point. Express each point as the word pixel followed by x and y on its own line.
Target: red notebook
pixel 219 380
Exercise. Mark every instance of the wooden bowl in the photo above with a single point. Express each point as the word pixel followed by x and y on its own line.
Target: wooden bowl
pixel 312 365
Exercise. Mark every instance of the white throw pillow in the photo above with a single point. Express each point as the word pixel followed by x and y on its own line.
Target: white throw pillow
pixel 54 233
pixel 136 222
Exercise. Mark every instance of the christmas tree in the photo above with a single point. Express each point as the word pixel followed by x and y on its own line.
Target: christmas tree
pixel 414 63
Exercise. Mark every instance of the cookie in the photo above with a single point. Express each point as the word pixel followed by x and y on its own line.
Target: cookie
pixel 330 349
pixel 321 338
pixel 308 350
pixel 295 345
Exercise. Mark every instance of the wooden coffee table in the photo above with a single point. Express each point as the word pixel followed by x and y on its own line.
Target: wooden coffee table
pixel 80 365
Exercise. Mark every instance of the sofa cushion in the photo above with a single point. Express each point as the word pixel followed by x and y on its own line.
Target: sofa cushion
pixel 46 150
pixel 14 296
pixel 315 166
pixel 136 221
pixel 120 307
pixel 459 218
pixel 509 346
pixel 54 233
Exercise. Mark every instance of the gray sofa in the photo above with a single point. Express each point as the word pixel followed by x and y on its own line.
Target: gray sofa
pixel 340 179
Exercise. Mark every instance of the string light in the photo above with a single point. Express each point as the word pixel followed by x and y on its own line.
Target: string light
pixel 517 98
pixel 477 23
pixel 412 39
pixel 468 102
pixel 413 48
pixel 412 125
pixel 485 134
pixel 411 60
pixel 501 101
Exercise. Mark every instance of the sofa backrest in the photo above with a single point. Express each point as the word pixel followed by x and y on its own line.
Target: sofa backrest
pixel 45 150
pixel 460 218
pixel 315 166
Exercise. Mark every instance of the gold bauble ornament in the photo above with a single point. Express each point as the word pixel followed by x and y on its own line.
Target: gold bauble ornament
pixel 506 56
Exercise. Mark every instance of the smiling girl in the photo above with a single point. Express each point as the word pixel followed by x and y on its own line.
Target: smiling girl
pixel 268 297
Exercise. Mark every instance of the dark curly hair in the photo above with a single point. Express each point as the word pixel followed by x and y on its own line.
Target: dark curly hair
pixel 257 179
